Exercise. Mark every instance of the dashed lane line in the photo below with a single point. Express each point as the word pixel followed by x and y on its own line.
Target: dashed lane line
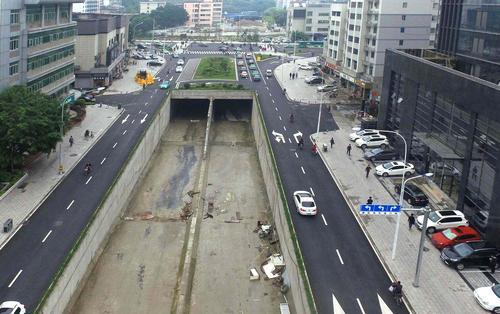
pixel 115 144
pixel 284 128
pixel 46 236
pixel 324 220
pixel 124 132
pixel 296 156
pixel 312 192
pixel 279 118
pixel 276 108
pixel 303 171
pixel 360 306
pixel 340 257
pixel 15 278
pixel 103 160
pixel 88 180
pixel 70 204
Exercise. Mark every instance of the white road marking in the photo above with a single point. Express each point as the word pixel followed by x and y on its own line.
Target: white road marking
pixel 297 156
pixel 151 96
pixel 171 78
pixel 270 95
pixel 475 271
pixel 140 111
pixel 289 141
pixel 279 137
pixel 312 192
pixel 360 306
pixel 144 119
pixel 383 307
pixel 284 128
pixel 88 180
pixel 124 132
pixel 70 204
pixel 43 241
pixel 103 160
pixel 272 100
pixel 340 257
pixel 267 87
pixel 297 136
pixel 337 309
pixel 144 105
pixel 324 220
pixel 15 278
pixel 126 118
pixel 132 121
pixel 276 108
pixel 303 171
pixel 115 144
pixel 279 117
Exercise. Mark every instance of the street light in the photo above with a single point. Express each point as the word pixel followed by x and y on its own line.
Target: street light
pixel 320 107
pixel 133 29
pixel 66 100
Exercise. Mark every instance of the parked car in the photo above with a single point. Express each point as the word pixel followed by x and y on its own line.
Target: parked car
pixel 165 85
pixel 470 254
pixel 413 195
pixel 314 80
pixel 180 62
pixel 327 88
pixel 178 69
pixel 269 73
pixel 442 219
pixel 395 168
pixel 489 298
pixel 241 62
pixel 452 236
pixel 305 67
pixel 12 307
pixel 375 140
pixel 244 74
pixel 359 134
pixel 381 154
pixel 305 203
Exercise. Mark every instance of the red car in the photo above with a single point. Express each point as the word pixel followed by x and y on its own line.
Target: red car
pixel 454 236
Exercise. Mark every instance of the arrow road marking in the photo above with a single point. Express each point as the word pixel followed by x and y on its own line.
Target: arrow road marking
pixel 15 278
pixel 324 220
pixel 337 309
pixel 88 180
pixel 340 257
pixel 70 204
pixel 279 137
pixel 384 309
pixel 297 136
pixel 126 118
pixel 144 119
pixel 43 241
pixel 103 160
pixel 360 306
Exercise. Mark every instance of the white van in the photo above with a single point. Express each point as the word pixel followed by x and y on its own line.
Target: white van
pixel 269 73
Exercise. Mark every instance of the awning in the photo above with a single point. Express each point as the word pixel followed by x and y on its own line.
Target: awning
pixel 436 146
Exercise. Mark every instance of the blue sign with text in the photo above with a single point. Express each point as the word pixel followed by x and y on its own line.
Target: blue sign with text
pixel 376 209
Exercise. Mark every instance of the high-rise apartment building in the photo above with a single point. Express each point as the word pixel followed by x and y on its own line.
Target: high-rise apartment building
pixel 205 13
pixel 371 27
pixel 311 18
pixel 37 45
pixel 470 31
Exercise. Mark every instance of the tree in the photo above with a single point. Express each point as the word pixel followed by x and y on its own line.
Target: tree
pixel 169 16
pixel 237 6
pixel 275 16
pixel 140 25
pixel 30 125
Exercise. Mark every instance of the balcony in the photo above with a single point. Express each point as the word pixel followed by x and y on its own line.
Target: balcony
pixel 53 44
pixel 55 86
pixel 40 71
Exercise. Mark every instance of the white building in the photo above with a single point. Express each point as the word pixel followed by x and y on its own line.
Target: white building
pixel 371 27
pixel 146 7
pixel 311 18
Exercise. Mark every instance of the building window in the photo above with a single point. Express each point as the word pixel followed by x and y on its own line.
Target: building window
pixel 309 21
pixel 14 43
pixel 405 4
pixel 34 15
pixel 335 43
pixel 50 78
pixel 14 17
pixel 48 36
pixel 358 16
pixel 360 4
pixel 48 58
pixel 402 29
pixel 64 13
pixel 434 18
pixel 352 16
pixel 355 51
pixel 358 28
pixel 353 4
pixel 13 68
pixel 401 42
pixel 324 14
pixel 309 13
pixel 49 14
pixel 350 38
pixel 351 27
pixel 349 49
pixel 308 28
pixel 348 62
pixel 356 40
pixel 372 54
pixel 403 17
pixel 355 65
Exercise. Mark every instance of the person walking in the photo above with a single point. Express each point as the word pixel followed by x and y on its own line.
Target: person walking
pixel 411 221
pixel 332 141
pixel 70 141
pixel 369 201
pixel 493 263
pixel 368 169
pixel 290 75
pixel 349 147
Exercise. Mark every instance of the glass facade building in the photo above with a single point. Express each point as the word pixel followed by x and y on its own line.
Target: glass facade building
pixel 452 121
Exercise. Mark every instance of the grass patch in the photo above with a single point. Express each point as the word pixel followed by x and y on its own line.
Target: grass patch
pixel 221 68
pixel 212 86
pixel 7 179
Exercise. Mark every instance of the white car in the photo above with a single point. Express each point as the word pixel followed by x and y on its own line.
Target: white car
pixel 442 219
pixel 327 88
pixel 249 54
pixel 178 69
pixel 375 140
pixel 395 168
pixel 305 203
pixel 180 62
pixel 359 134
pixel 12 307
pixel 269 73
pixel 489 297
pixel 244 74
pixel 305 67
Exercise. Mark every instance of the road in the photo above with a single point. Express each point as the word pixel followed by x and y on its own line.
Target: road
pixel 344 272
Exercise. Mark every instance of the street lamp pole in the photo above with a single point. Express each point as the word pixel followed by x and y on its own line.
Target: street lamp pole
pixel 133 30
pixel 61 131
pixel 320 107
pixel 421 248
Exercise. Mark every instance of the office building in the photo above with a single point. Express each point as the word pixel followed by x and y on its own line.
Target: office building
pixel 205 13
pixel 101 47
pixel 37 45
pixel 470 31
pixel 451 122
pixel 371 27
pixel 310 18
pixel 146 7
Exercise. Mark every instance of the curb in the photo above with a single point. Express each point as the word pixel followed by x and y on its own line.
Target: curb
pixel 362 225
pixel 34 210
pixel 15 185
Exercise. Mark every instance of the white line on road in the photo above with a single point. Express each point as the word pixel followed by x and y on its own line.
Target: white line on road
pixel 270 95
pixel 475 271
pixel 133 121
pixel 284 128
pixel 324 220
pixel 88 180
pixel 144 119
pixel 15 278
pixel 312 192
pixel 124 132
pixel 276 108
pixel 70 204
pixel 297 156
pixel 360 306
pixel 144 105
pixel 140 111
pixel 115 144
pixel 126 118
pixel 43 241
pixel 279 117
pixel 272 100
pixel 290 140
pixel 267 87
pixel 340 257
pixel 303 171
pixel 103 160
pixel 151 96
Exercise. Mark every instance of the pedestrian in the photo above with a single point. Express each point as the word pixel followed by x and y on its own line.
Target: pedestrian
pixel 369 201
pixel 368 169
pixel 87 133
pixel 411 221
pixel 349 147
pixel 332 141
pixel 290 75
pixel 70 141
pixel 493 263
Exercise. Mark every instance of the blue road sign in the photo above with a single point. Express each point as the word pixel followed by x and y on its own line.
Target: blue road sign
pixel 377 209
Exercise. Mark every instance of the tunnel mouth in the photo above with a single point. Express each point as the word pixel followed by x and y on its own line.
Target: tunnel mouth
pixel 223 109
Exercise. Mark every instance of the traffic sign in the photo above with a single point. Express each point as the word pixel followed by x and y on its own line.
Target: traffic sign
pixel 379 209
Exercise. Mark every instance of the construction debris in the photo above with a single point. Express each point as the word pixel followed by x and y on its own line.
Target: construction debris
pixel 254 275
pixel 273 266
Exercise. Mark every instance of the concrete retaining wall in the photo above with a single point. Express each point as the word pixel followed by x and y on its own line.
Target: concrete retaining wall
pixel 90 244
pixel 299 284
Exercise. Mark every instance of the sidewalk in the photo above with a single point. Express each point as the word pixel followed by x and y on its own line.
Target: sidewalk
pixel 43 174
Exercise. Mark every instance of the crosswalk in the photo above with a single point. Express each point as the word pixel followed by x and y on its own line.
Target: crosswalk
pixel 206 52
